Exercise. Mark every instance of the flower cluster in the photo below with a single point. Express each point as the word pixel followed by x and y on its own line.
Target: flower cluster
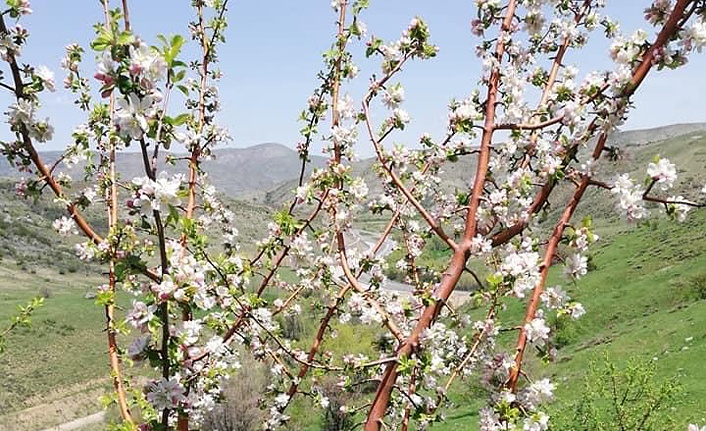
pixel 663 172
pixel 151 194
pixel 630 196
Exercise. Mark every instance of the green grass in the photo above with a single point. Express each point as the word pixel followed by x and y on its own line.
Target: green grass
pixel 59 361
pixel 645 299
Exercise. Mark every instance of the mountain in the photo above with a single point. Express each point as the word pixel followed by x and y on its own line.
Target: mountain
pixel 235 172
pixel 267 173
pixel 638 147
pixel 655 134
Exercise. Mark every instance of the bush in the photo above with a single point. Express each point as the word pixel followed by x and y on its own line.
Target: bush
pixel 697 283
pixel 630 398
pixel 336 415
pixel 45 292
pixel 689 289
pixel 292 326
pixel 564 329
pixel 239 409
pixel 467 283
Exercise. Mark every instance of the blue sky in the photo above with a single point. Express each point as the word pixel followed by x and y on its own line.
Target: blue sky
pixel 274 52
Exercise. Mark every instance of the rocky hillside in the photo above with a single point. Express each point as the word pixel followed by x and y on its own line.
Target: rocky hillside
pixel 684 144
pixel 236 172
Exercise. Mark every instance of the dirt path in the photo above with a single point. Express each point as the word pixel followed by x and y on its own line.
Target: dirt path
pixel 78 423
pixel 57 406
pixel 366 241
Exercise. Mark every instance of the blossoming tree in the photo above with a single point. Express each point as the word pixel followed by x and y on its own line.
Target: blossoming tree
pixel 534 124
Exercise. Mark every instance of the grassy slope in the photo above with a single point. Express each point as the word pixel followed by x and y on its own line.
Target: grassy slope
pixel 646 297
pixel 59 363
pixel 55 370
pixel 640 301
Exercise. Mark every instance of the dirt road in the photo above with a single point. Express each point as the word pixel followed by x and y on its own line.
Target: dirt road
pixel 79 423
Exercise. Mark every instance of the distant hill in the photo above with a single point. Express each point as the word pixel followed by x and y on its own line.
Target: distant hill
pixel 683 145
pixel 655 134
pixel 236 172
pixel 28 238
pixel 685 141
pixel 267 173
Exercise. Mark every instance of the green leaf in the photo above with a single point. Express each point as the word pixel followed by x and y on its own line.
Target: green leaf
pixel 373 46
pixel 105 298
pixel 103 40
pixel 406 365
pixel 183 89
pixel 100 44
pixel 494 279
pixel 178 41
pixel 162 39
pixel 125 38
pixel 179 76
pixel 587 221
pixel 180 119
pixel 286 222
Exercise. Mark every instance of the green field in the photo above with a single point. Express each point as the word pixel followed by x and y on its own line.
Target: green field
pixel 645 298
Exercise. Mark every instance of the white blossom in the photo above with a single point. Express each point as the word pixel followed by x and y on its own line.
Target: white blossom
pixel 680 207
pixel 138 346
pixel 65 226
pixel 664 172
pixel 166 393
pixel 537 330
pixel 46 76
pixel 133 112
pixel 576 265
pixel 147 62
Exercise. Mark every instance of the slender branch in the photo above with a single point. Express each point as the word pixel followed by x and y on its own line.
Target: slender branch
pixel 386 319
pixel 378 150
pixel 164 266
pixel 112 210
pixel 460 255
pixel 7 87
pixel 646 197
pixel 411 389
pixel 126 14
pixel 673 202
pixel 639 74
pixel 196 147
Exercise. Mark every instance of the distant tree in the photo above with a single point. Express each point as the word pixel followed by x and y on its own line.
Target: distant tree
pixel 239 409
pixel 22 318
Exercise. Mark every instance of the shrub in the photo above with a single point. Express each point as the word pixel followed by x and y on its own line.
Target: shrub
pixel 692 288
pixel 292 326
pixel 239 410
pixel 612 398
pixel 45 292
pixel 697 283
pixel 564 329
pixel 336 415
